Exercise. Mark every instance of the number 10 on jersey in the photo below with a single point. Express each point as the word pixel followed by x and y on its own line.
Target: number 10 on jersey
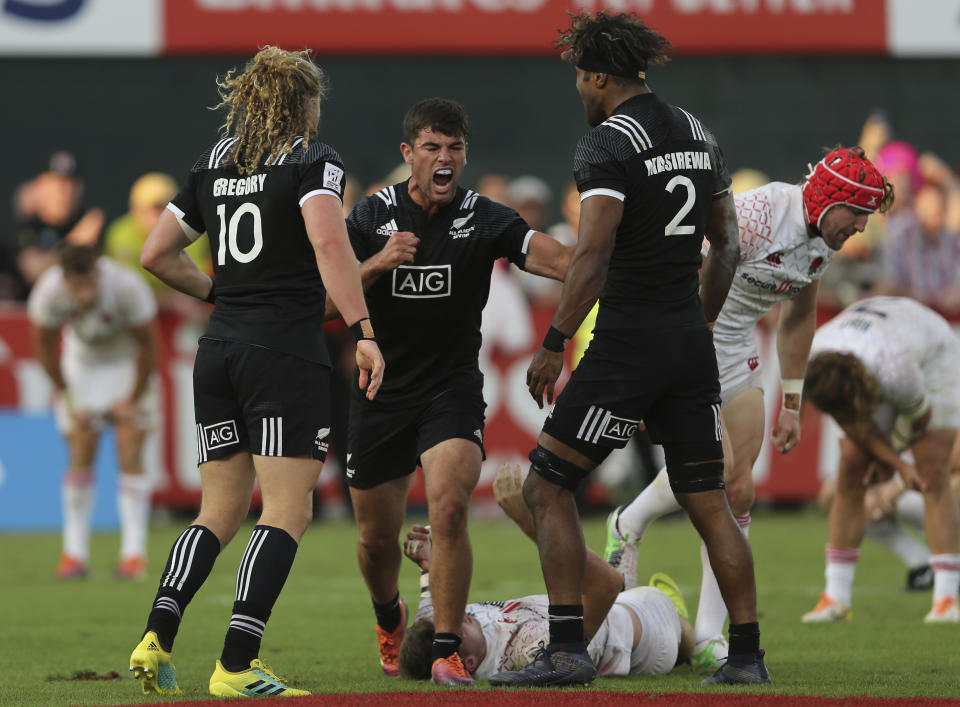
pixel 228 233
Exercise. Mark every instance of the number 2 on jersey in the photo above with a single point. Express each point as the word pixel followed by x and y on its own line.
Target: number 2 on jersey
pixel 674 228
pixel 228 232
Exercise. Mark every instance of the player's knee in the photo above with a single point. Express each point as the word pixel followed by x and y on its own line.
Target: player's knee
pixel 553 468
pixel 448 514
pixel 740 493
pixel 693 468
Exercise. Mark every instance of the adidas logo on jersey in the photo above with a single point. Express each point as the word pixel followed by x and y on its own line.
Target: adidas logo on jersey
pixel 459 228
pixel 388 229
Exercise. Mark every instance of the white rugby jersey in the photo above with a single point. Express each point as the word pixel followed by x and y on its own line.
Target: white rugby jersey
pixel 514 630
pixel 778 258
pixel 101 332
pixel 898 339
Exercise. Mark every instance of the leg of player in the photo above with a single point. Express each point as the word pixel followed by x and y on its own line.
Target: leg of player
pixel 379 513
pixel 227 485
pixel 846 530
pixel 742 420
pixel 286 484
pixel 451 470
pixel 932 454
pixel 732 563
pixel 133 501
pixel 78 497
pixel 563 561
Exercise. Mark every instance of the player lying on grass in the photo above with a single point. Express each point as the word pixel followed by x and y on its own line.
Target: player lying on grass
pixel 642 631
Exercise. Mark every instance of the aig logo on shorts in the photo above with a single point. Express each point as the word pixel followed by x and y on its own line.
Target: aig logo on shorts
pixel 421 281
pixel 599 423
pixel 222 434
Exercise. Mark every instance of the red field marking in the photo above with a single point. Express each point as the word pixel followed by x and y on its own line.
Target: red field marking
pixel 565 698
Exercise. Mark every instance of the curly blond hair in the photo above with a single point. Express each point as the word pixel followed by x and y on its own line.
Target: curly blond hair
pixel 840 385
pixel 267 104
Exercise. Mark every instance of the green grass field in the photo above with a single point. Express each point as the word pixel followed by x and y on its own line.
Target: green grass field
pixel 321 634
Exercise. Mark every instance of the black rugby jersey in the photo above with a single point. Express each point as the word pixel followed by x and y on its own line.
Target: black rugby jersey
pixel 269 290
pixel 427 315
pixel 668 169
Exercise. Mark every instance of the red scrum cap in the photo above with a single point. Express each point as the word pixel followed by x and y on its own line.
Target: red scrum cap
pixel 844 176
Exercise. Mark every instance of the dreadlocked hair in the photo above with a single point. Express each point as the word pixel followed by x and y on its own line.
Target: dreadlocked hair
pixel 266 104
pixel 842 387
pixel 622 39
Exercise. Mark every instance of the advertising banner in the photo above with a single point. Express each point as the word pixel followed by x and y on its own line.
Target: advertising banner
pixel 523 27
pixel 80 27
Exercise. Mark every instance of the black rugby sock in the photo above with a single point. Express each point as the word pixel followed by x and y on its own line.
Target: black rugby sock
pixel 188 566
pixel 389 614
pixel 262 574
pixel 566 623
pixel 745 638
pixel 444 645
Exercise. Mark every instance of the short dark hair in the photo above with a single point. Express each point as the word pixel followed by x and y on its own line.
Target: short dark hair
pixel 77 259
pixel 841 386
pixel 416 651
pixel 620 41
pixel 439 114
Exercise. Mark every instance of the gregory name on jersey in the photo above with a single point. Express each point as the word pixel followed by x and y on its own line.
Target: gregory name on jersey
pixel 421 281
pixel 678 160
pixel 239 186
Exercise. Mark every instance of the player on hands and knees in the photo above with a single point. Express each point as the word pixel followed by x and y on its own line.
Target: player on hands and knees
pixel 653 183
pixel 885 370
pixel 427 247
pixel 269 198
pixel 788 234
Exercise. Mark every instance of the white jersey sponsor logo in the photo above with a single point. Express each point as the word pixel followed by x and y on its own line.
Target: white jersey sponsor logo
pixel 459 228
pixel 422 281
pixel 220 434
pixel 388 229
pixel 332 176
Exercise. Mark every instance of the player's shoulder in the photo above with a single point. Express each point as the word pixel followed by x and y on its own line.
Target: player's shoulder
pixel 376 210
pixel 312 153
pixel 214 156
pixel 618 138
pixel 49 284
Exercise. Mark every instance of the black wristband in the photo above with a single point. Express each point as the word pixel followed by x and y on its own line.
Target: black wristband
pixel 211 296
pixel 362 329
pixel 555 340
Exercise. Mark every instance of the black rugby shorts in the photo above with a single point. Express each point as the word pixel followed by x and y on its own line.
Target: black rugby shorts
pixel 667 378
pixel 385 442
pixel 249 398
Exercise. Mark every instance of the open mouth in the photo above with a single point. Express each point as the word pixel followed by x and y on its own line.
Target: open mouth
pixel 442 177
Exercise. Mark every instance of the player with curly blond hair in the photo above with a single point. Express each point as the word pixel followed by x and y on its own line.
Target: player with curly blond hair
pixel 270 200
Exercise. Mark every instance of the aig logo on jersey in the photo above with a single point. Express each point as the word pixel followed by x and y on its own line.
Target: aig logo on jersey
pixel 222 434
pixel 602 424
pixel 421 281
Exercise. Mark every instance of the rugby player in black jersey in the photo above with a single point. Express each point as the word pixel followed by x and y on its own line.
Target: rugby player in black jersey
pixel 652 184
pixel 269 198
pixel 427 247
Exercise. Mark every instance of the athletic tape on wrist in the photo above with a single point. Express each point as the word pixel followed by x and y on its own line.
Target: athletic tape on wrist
pixel 362 329
pixel 792 393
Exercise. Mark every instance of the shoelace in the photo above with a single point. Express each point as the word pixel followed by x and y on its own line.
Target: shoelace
pixel 264 668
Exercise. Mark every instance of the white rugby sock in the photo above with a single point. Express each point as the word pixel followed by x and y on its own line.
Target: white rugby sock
pixel 911 508
pixel 77 498
pixel 653 502
pixel 946 574
pixel 133 503
pixel 841 566
pixel 711 609
pixel 900 542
